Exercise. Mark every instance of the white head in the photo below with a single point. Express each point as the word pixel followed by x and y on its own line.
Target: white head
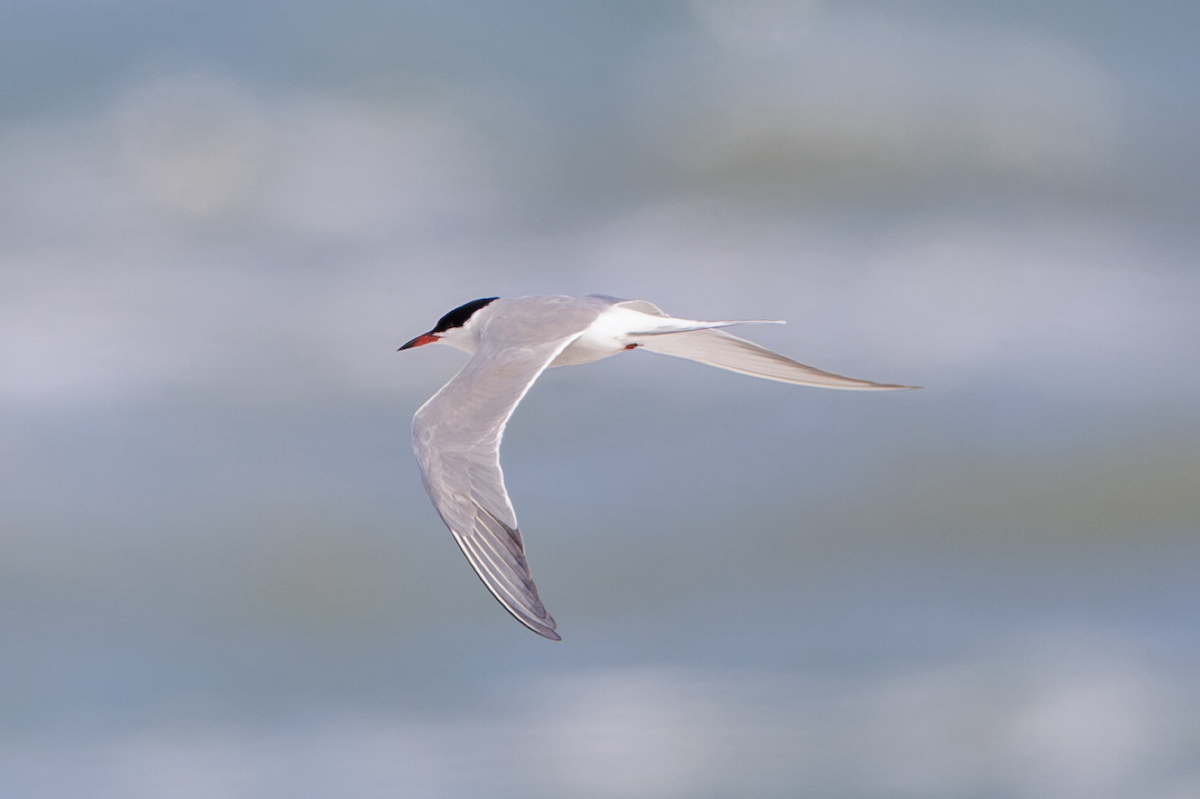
pixel 459 328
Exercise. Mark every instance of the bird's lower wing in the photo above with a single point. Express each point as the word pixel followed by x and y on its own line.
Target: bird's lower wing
pixel 456 438
pixel 726 351
pixel 497 554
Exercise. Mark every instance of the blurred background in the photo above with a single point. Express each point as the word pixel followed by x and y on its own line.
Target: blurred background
pixel 219 573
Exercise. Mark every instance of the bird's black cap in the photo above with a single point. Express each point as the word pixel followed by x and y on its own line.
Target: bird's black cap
pixel 459 316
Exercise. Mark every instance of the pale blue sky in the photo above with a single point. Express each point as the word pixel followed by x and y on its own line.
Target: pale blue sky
pixel 218 569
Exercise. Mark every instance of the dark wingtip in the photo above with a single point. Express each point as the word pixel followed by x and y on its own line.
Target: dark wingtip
pixel 547 627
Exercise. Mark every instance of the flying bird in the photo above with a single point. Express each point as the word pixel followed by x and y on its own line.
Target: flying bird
pixel 456 433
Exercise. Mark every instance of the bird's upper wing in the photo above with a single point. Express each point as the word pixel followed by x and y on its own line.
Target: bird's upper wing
pixel 456 437
pixel 726 351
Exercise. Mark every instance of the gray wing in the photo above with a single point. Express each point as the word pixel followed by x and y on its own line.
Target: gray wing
pixel 727 351
pixel 456 437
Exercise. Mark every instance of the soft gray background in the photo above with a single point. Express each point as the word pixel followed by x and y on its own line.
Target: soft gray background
pixel 219 575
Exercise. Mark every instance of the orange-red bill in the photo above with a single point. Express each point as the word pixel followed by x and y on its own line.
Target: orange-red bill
pixel 420 341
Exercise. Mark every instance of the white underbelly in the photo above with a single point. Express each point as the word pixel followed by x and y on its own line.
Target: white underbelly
pixel 584 350
pixel 606 336
pixel 620 328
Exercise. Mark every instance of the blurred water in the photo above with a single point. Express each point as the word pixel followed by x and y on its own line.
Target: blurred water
pixel 219 575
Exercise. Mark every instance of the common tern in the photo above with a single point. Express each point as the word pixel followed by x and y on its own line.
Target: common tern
pixel 456 433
